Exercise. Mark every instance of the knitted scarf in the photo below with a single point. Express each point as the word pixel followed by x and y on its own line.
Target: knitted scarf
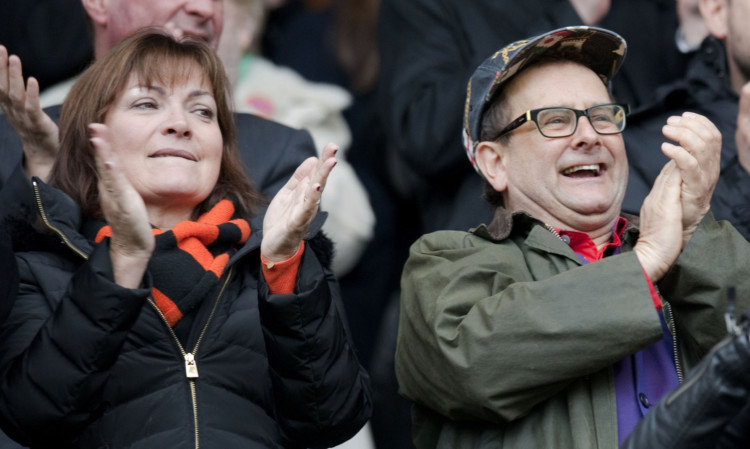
pixel 189 259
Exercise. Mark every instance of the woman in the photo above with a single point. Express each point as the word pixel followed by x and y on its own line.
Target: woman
pixel 155 314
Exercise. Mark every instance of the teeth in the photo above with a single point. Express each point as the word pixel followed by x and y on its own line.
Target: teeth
pixel 593 167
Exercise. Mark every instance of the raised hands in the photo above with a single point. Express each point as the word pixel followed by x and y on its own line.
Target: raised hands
pixel 292 209
pixel 20 104
pixel 660 239
pixel 697 157
pixel 132 241
pixel 681 195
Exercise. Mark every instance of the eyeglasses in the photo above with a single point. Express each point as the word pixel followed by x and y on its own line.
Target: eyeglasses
pixel 562 122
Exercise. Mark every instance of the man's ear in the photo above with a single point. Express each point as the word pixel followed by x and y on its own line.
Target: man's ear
pixel 490 158
pixel 97 10
pixel 716 15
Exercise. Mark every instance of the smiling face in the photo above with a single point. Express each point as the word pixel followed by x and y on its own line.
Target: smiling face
pixel 167 139
pixel 576 182
pixel 202 19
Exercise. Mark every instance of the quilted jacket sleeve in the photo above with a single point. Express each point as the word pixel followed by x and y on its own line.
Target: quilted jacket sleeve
pixel 61 337
pixel 322 392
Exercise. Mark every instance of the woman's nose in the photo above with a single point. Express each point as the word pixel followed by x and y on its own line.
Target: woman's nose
pixel 176 123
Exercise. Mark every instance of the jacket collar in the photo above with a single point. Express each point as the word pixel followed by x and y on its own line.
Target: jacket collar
pixel 505 222
pixel 708 68
pixel 60 215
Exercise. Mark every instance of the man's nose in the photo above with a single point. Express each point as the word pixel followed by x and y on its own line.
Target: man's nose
pixel 585 132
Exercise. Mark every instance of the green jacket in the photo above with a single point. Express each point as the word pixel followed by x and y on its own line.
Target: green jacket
pixel 506 340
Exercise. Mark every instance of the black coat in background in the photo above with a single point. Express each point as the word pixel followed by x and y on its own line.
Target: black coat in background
pixel 50 36
pixel 706 90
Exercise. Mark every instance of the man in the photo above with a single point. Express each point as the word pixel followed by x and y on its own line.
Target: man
pixel 714 85
pixel 270 151
pixel 561 323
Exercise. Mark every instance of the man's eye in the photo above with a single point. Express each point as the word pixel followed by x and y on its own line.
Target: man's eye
pixel 555 119
pixel 603 118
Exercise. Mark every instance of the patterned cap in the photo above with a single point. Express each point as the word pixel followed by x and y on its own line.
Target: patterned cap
pixel 600 50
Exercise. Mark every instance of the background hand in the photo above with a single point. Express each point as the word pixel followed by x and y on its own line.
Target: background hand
pixel 20 104
pixel 132 241
pixel 697 157
pixel 660 239
pixel 292 209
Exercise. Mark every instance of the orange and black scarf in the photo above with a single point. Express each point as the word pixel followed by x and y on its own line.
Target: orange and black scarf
pixel 189 259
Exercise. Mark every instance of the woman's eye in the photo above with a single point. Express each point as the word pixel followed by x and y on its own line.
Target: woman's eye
pixel 205 113
pixel 145 105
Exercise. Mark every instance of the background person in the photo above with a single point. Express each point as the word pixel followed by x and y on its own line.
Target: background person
pixel 279 93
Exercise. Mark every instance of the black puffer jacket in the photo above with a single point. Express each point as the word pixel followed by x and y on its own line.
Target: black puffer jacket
pixel 87 363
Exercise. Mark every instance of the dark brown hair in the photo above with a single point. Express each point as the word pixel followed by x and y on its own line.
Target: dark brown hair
pixel 153 56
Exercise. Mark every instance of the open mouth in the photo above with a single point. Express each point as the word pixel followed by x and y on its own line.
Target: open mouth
pixel 583 171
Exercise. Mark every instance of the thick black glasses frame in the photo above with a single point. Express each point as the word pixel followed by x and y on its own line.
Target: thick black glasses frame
pixel 532 114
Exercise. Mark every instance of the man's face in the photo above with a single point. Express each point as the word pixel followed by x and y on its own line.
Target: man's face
pixel 575 182
pixel 200 18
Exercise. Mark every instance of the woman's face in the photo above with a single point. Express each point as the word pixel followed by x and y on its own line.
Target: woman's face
pixel 168 140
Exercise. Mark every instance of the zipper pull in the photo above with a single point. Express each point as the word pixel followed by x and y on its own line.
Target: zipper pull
pixel 191 368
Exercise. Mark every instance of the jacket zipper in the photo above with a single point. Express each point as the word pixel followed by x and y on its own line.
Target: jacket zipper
pixel 673 329
pixel 59 233
pixel 191 365
pixel 554 231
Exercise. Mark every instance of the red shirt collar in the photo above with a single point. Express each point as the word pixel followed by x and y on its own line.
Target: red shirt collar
pixel 581 243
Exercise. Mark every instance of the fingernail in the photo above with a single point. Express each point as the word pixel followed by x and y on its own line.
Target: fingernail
pixel 673 120
pixel 689 114
pixel 317 188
